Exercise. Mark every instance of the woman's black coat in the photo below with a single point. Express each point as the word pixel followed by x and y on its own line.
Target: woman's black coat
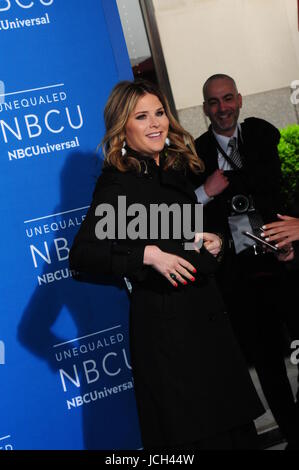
pixel 190 378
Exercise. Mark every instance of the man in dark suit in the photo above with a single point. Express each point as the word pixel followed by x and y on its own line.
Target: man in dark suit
pixel 240 189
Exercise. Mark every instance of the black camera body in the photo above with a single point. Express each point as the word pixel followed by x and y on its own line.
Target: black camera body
pixel 241 204
pixel 238 199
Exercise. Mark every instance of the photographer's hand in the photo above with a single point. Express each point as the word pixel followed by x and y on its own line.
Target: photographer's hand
pixel 216 183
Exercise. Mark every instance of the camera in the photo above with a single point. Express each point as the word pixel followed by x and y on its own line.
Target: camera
pixel 237 195
pixel 241 204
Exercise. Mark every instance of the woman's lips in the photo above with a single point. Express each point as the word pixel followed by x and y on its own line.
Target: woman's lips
pixel 154 135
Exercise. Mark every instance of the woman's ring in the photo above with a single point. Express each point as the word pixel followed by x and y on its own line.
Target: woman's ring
pixel 173 277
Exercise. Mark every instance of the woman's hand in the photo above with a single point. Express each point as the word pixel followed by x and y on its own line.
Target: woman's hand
pixel 173 267
pixel 283 232
pixel 211 242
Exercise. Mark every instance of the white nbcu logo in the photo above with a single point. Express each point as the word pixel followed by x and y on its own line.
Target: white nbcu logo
pixel 6 4
pixel 2 92
pixel 2 353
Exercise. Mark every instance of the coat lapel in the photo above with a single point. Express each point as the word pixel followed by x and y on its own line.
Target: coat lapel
pixel 208 152
pixel 248 148
pixel 212 156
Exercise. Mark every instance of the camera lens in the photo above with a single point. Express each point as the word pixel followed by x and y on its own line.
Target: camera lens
pixel 240 203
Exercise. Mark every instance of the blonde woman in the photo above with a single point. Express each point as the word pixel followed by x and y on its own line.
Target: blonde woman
pixel 192 385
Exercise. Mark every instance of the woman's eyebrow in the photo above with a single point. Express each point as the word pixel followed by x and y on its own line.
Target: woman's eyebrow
pixel 145 112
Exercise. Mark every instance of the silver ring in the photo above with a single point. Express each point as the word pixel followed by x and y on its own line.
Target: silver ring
pixel 173 277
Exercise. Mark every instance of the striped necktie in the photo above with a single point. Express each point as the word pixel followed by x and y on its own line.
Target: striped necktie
pixel 234 154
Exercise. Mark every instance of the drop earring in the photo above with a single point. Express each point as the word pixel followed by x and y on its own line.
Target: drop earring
pixel 167 141
pixel 123 150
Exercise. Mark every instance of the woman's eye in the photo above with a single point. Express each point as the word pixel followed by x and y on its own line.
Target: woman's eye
pixel 159 113
pixel 141 116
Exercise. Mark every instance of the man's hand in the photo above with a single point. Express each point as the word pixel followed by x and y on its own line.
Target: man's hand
pixel 216 183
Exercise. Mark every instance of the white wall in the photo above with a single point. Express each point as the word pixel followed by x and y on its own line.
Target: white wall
pixel 255 41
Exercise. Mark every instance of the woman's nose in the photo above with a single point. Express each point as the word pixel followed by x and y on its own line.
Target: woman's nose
pixel 154 121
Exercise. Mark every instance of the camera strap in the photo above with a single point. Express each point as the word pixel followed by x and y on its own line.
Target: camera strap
pixel 223 153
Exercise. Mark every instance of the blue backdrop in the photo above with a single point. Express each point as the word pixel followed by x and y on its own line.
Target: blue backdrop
pixel 64 360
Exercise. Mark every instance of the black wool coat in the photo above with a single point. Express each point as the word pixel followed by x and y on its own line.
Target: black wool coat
pixel 190 378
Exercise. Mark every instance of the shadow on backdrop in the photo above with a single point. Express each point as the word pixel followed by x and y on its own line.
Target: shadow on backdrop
pixel 102 303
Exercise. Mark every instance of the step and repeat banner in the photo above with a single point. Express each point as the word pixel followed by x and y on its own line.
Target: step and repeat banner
pixel 65 374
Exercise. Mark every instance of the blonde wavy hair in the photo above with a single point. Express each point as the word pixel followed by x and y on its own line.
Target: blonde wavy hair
pixel 121 103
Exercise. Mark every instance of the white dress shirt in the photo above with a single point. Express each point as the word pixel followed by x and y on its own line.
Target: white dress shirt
pixel 223 164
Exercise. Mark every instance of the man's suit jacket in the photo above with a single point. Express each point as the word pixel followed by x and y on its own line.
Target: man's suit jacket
pixel 260 175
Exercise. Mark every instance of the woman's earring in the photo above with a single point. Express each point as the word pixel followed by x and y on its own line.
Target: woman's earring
pixel 123 150
pixel 167 141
